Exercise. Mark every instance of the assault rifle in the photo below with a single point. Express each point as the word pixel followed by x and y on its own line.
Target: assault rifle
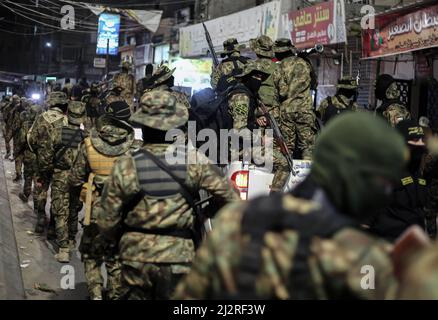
pixel 210 46
pixel 279 138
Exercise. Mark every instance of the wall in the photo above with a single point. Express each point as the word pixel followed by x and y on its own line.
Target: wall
pixel 221 8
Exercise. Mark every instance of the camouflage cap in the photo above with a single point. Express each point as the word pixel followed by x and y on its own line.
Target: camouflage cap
pixel 15 97
pixel 262 46
pixel 283 45
pixel 56 98
pixel 162 74
pixel 253 66
pixel 76 112
pixel 160 110
pixel 230 45
pixel 347 83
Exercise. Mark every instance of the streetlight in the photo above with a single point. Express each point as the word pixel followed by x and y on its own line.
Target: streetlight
pixel 48 44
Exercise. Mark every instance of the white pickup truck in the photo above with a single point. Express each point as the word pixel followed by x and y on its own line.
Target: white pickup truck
pixel 253 181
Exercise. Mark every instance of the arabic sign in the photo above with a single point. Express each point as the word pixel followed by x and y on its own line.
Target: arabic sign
pixel 323 23
pixel 243 26
pixel 109 26
pixel 403 33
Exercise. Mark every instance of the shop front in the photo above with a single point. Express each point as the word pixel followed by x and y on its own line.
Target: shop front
pixel 405 44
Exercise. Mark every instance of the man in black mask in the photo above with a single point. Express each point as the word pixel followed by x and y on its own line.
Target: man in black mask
pixel 408 200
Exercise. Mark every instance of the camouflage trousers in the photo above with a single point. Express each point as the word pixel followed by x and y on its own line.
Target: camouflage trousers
pixel 18 158
pixel 40 199
pixel 29 160
pixel 7 137
pixel 148 281
pixel 95 251
pixel 65 207
pixel 298 124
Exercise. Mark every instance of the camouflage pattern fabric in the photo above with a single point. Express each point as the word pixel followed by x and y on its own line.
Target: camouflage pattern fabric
pixel 96 250
pixel 292 80
pixel 180 96
pixel 334 262
pixel 156 213
pixel 225 68
pixel 127 82
pixel 395 111
pixel 238 107
pixel 268 93
pixel 40 138
pixel 419 279
pixel 339 101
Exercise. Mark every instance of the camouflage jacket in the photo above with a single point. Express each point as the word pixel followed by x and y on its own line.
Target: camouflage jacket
pixel 292 80
pixel 156 213
pixel 226 67
pixel 335 264
pixel 238 107
pixel 395 112
pixel 108 134
pixel 339 101
pixel 15 121
pixel 268 92
pixel 125 81
pixel 180 96
pixel 27 118
pixel 41 135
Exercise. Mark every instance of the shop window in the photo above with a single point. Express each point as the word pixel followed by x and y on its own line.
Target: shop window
pixel 161 54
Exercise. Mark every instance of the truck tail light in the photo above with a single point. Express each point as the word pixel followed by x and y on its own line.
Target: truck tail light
pixel 240 180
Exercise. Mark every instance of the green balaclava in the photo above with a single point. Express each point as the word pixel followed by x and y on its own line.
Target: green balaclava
pixel 353 157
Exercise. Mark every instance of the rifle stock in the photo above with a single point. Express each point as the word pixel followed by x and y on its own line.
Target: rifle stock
pixel 279 138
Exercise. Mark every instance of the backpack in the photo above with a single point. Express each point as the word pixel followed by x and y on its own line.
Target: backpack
pixel 266 214
pixel 227 81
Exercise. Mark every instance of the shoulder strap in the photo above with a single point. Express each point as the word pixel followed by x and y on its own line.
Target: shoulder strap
pixel 68 145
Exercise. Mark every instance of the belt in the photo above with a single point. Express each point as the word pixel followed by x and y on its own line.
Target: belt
pixel 185 234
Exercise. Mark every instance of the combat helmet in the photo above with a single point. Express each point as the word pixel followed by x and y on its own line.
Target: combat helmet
pixel 160 110
pixel 262 46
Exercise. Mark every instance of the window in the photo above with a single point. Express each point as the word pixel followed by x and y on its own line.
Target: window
pixel 161 53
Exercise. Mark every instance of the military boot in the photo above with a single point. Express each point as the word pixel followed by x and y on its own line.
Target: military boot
pixel 63 255
pixel 7 155
pixel 41 224
pixel 17 178
pixel 23 197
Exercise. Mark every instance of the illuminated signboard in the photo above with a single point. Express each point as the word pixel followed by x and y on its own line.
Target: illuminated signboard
pixel 109 27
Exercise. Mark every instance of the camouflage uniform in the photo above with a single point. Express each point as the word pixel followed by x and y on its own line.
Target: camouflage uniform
pixel 110 139
pixel 160 78
pixel 7 115
pixel 5 105
pixel 227 67
pixel 307 244
pixel 29 158
pixel 40 139
pixel 388 93
pixel 60 154
pixel 153 256
pixel 126 81
pixel 18 146
pixel 293 82
pixel 92 106
pixel 338 101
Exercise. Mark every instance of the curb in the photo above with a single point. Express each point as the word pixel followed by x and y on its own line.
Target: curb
pixel 11 282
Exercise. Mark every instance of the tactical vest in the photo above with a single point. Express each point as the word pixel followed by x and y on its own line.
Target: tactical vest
pixel 266 214
pixel 154 181
pixel 100 164
pixel 70 139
